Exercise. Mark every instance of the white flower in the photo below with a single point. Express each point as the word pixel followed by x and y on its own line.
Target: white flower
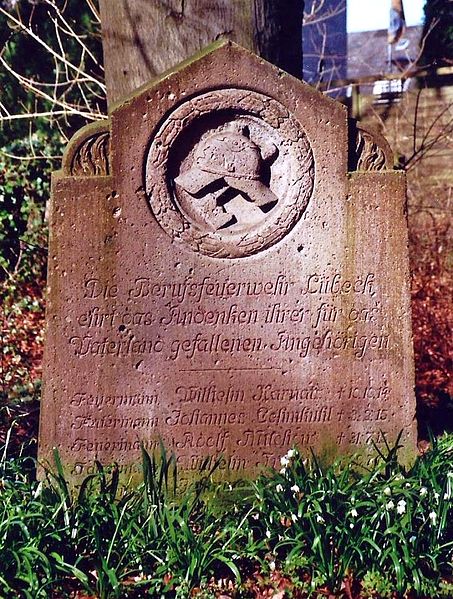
pixel 387 491
pixel 291 453
pixel 408 485
pixel 279 488
pixel 390 505
pixel 283 471
pixel 268 534
pixel 294 517
pixel 436 496
pixel 423 491
pixel 37 491
pixel 354 513
pixel 351 525
pixel 284 461
pixel 271 566
pixel 295 489
pixel 401 507
pixel 432 516
pixel 255 516
pixel 320 519
pixel 412 539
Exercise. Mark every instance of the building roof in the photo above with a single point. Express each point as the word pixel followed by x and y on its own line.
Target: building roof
pixel 368 52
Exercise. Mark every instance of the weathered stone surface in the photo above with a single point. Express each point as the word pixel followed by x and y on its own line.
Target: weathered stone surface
pixel 222 282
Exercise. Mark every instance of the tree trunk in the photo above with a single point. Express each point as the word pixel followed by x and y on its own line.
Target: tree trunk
pixel 143 38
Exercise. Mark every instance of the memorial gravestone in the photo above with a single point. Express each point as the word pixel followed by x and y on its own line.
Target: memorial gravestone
pixel 218 280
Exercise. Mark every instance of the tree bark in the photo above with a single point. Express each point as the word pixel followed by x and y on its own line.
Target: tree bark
pixel 143 38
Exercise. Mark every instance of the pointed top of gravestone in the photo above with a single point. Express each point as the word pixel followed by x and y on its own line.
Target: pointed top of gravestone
pixel 226 79
pixel 213 64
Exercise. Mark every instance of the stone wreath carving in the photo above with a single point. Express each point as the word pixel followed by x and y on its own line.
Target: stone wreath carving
pixel 229 173
pixel 88 154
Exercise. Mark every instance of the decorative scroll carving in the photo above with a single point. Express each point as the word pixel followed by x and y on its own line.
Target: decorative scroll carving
pixel 370 150
pixel 229 173
pixel 88 154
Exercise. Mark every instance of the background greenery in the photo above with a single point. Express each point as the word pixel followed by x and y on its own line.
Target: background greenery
pixel 30 148
pixel 438 33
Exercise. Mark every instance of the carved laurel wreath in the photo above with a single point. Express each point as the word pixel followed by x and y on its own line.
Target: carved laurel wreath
pixel 300 175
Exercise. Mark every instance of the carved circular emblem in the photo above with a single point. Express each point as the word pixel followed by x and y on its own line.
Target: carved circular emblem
pixel 229 173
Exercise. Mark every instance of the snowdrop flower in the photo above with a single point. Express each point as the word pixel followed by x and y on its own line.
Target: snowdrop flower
pixel 351 525
pixel 354 513
pixel 255 516
pixel 432 516
pixel 284 461
pixel 401 507
pixel 320 519
pixel 279 488
pixel 423 491
pixel 37 491
pixel 390 505
pixel 294 517
pixel 295 489
pixel 387 491
pixel 283 471
pixel 291 453
pixel 268 534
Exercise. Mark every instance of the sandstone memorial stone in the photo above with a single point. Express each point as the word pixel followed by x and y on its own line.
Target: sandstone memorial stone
pixel 228 272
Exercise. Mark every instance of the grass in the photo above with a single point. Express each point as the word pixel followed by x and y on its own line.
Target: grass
pixel 306 531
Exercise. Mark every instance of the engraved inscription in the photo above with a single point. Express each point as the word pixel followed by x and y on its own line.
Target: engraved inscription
pixel 326 324
pixel 99 401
